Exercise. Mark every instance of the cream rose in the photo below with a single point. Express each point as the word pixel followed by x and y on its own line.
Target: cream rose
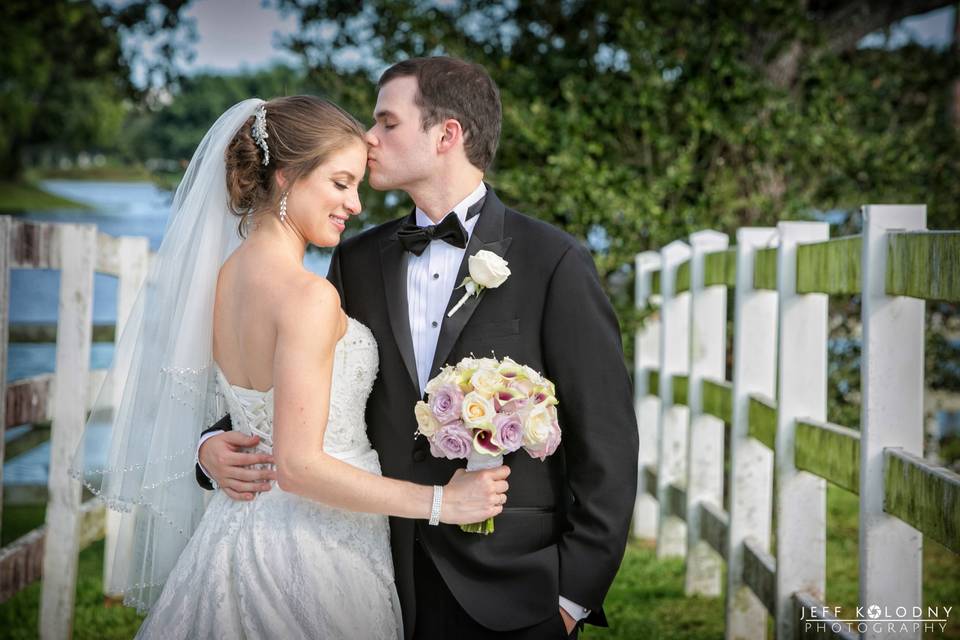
pixel 486 381
pixel 446 376
pixel 427 423
pixel 488 269
pixel 537 426
pixel 477 410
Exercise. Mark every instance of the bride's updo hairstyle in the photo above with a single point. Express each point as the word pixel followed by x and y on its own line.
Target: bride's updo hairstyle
pixel 302 132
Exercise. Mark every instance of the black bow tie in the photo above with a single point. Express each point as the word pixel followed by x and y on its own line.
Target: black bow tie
pixel 415 239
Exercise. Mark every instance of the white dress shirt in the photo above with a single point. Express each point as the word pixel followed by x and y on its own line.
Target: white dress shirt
pixel 430 282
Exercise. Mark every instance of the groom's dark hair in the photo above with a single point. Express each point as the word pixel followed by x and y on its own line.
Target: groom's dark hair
pixel 464 91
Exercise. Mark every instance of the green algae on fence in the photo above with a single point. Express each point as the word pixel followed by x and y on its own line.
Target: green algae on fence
pixel 830 267
pixel 714 527
pixel 829 451
pixel 677 501
pixel 650 478
pixel 653 382
pixel 765 269
pixel 717 399
pixel 720 267
pixel 925 496
pixel 682 283
pixel 759 573
pixel 680 386
pixel 924 264
pixel 762 420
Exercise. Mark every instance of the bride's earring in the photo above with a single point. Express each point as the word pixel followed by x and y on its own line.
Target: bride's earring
pixel 283 207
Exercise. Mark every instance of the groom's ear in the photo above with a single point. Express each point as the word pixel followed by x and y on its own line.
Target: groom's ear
pixel 451 134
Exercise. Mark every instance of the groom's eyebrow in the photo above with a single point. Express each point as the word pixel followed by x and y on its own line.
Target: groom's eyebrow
pixel 385 113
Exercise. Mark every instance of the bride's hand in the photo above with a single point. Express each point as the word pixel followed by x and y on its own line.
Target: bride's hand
pixel 474 496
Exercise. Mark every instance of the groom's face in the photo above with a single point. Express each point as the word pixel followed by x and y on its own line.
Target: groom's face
pixel 401 153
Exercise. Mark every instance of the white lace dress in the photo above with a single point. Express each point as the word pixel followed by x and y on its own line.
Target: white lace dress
pixel 282 566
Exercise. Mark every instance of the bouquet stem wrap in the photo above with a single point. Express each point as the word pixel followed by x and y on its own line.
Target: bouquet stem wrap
pixel 477 462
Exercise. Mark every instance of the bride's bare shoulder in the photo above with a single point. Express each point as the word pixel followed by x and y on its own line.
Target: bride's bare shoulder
pixel 309 300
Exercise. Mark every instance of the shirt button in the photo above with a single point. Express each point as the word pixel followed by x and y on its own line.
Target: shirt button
pixel 436 275
pixel 434 323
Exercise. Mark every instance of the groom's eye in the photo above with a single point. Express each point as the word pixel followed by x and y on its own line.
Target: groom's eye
pixel 389 126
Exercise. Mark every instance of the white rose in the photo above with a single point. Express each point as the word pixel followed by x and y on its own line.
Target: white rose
pixel 446 376
pixel 486 381
pixel 536 427
pixel 488 269
pixel 426 422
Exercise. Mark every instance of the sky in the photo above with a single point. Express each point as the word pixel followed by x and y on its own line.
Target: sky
pixel 234 35
pixel 238 34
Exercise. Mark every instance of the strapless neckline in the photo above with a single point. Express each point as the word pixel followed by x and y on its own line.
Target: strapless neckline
pixel 256 392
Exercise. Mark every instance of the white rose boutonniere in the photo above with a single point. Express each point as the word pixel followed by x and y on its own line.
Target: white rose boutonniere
pixel 487 271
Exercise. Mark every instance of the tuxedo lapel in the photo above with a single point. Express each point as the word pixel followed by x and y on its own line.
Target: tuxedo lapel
pixel 487 235
pixel 393 263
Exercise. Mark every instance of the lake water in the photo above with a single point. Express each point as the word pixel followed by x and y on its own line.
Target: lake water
pixel 118 209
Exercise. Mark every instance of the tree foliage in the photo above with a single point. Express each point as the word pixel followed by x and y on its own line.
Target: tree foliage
pixel 633 124
pixel 173 131
pixel 65 76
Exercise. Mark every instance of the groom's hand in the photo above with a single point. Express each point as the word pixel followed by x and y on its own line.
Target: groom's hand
pixel 224 461
pixel 568 622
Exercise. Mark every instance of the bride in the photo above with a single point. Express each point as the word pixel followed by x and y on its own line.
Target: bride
pixel 243 324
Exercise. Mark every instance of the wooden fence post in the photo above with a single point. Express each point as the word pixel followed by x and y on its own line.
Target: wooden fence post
pixel 751 463
pixel 891 415
pixel 6 241
pixel 646 356
pixel 801 497
pixel 708 330
pixel 672 431
pixel 78 252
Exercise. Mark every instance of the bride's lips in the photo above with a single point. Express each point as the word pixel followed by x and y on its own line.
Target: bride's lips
pixel 340 222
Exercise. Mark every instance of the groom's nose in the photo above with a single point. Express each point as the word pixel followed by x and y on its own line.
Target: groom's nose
pixel 370 138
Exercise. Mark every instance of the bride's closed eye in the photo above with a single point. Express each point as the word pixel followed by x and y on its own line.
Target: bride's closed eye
pixel 340 185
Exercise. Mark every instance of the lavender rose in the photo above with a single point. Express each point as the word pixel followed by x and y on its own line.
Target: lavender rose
pixel 451 441
pixel 508 431
pixel 446 403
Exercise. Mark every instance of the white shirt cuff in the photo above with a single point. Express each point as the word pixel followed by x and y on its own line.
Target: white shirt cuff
pixel 576 612
pixel 203 439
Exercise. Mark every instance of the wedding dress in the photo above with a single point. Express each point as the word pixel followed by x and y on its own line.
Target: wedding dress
pixel 282 566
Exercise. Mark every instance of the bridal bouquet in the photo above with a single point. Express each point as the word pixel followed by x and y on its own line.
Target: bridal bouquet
pixel 482 408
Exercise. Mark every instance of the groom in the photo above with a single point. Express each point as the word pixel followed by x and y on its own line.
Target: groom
pixel 561 536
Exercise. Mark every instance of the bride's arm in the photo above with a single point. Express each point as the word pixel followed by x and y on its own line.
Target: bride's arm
pixel 308 329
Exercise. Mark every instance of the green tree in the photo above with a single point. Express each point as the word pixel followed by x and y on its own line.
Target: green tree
pixel 173 131
pixel 632 124
pixel 64 76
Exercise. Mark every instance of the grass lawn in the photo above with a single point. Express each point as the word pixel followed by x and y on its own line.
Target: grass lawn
pixel 108 173
pixel 24 196
pixel 646 600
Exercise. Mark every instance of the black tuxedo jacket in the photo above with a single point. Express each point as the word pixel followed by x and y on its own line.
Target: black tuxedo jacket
pixel 564 528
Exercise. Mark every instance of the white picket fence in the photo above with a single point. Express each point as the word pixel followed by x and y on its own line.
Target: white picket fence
pixel 63 398
pixel 782 450
pixel 775 406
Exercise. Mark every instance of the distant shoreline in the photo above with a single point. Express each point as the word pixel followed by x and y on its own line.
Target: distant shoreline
pixel 17 197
